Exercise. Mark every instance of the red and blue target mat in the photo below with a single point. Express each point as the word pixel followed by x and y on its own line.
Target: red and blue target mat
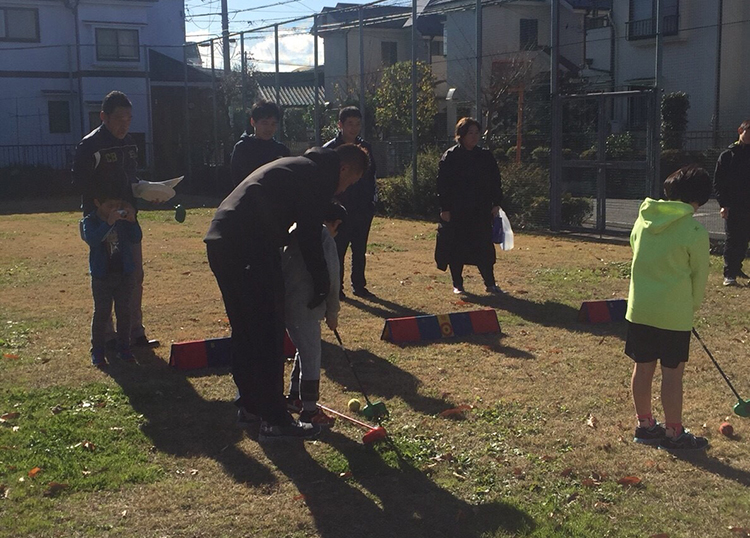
pixel 603 311
pixel 210 353
pixel 436 326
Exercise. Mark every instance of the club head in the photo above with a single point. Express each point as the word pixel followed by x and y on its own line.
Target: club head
pixel 742 408
pixel 375 410
pixel 179 213
pixel 374 435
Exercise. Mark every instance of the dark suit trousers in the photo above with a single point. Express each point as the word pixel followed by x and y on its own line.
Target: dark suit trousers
pixel 252 288
pixel 354 232
pixel 737 227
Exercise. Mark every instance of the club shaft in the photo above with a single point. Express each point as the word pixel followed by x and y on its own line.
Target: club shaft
pixel 346 417
pixel 351 365
pixel 710 356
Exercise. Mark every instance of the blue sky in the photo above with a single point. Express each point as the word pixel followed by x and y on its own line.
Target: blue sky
pixel 203 21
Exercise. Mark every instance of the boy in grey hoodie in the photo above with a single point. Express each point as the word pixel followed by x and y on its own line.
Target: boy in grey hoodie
pixel 303 323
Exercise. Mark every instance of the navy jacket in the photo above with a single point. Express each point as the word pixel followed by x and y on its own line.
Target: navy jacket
pixel 359 199
pixel 102 159
pixel 250 153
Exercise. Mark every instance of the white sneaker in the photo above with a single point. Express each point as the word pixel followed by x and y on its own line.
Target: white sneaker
pixel 729 281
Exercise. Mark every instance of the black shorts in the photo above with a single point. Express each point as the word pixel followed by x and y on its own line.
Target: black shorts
pixel 647 344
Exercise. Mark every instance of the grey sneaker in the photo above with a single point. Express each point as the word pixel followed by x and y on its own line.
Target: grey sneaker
pixel 730 281
pixel 293 430
pixel 649 436
pixel 494 289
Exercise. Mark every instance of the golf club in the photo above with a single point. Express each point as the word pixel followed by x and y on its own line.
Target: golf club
pixel 374 433
pixel 375 410
pixel 742 407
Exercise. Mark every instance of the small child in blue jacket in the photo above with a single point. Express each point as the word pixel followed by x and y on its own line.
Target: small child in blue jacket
pixel 110 231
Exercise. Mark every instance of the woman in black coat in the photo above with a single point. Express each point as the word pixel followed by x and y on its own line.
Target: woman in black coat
pixel 470 192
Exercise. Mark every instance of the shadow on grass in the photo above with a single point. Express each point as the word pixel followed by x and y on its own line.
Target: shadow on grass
pixel 180 422
pixel 719 468
pixel 547 314
pixel 380 377
pixel 395 502
pixel 382 308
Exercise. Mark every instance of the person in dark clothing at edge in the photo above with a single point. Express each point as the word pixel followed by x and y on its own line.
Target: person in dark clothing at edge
pixel 243 246
pixel 359 201
pixel 254 150
pixel 469 192
pixel 107 159
pixel 732 186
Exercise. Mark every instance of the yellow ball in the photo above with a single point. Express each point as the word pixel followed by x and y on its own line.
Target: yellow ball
pixel 354 405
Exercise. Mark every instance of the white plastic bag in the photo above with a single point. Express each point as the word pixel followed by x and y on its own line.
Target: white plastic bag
pixel 507 243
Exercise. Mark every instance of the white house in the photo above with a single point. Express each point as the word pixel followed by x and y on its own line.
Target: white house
pixel 58 59
pixel 385 42
pixel 704 55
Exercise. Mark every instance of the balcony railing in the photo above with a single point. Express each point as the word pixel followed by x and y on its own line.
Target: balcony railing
pixel 645 28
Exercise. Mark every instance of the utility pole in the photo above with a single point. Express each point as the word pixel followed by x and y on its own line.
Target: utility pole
pixel 225 35
pixel 414 137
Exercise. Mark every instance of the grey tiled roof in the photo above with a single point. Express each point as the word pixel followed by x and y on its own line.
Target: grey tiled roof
pixel 292 95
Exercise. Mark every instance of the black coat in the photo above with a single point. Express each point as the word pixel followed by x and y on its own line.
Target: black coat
pixel 469 186
pixel 256 216
pixel 250 153
pixel 732 177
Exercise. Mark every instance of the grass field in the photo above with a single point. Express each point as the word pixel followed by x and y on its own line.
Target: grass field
pixel 544 450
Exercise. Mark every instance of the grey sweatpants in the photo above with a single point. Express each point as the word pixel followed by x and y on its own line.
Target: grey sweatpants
pixel 305 379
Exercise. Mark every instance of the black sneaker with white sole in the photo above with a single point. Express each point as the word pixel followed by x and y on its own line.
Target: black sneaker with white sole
pixel 649 436
pixel 685 442
pixel 293 430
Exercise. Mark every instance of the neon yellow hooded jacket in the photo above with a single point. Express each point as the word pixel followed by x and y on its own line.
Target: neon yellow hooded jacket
pixel 670 265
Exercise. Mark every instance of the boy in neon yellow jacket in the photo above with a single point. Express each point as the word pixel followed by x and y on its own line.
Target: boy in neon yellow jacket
pixel 668 278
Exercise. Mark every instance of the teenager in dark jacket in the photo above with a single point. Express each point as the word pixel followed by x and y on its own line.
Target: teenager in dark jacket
pixel 243 245
pixel 359 201
pixel 257 145
pixel 470 193
pixel 107 159
pixel 732 186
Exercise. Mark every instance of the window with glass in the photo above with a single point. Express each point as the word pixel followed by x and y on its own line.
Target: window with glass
pixel 58 113
pixel 642 21
pixel 117 45
pixel 389 52
pixel 19 24
pixel 529 32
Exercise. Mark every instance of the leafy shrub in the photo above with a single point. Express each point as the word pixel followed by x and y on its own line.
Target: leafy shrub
pixel 674 120
pixel 398 195
pixel 526 189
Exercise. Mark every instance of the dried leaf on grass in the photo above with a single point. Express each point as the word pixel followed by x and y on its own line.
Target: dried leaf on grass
pixel 660 535
pixel 35 471
pixel 629 481
pixel 456 411
pixel 53 488
pixel 9 416
pixel 11 356
pixel 592 421
pixel 740 531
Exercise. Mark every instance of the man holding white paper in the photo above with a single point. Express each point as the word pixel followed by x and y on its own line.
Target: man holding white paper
pixel 108 158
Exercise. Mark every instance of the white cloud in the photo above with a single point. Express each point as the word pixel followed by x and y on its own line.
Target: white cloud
pixel 295 50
